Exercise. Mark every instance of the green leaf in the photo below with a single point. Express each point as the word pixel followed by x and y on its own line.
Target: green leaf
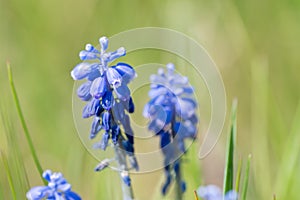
pixel 22 119
pixel 246 179
pixel 229 165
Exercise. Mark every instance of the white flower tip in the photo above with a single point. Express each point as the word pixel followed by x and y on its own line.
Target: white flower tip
pixel 89 47
pixel 103 39
pixel 170 66
pixel 73 75
pixel 160 71
pixel 121 51
pixel 82 55
pixel 104 42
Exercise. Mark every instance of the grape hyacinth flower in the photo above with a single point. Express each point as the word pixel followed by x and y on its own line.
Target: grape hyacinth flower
pixel 172 114
pixel 108 101
pixel 57 189
pixel 212 192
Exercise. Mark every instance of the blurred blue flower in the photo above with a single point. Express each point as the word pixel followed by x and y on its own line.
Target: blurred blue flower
pixel 58 189
pixel 107 95
pixel 172 114
pixel 212 192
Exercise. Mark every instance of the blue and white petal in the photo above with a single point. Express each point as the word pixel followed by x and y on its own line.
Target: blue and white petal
pixel 116 54
pixel 72 196
pixel 38 192
pixel 99 87
pixel 87 55
pixel 118 111
pixel 57 189
pixel 96 127
pixel 106 119
pixel 126 71
pixel 83 92
pixel 91 108
pixel 82 70
pixel 107 100
pixel 113 77
pixel 122 92
pixel 104 43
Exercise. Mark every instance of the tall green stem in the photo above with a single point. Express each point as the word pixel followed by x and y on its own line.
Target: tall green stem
pixel 121 159
pixel 22 119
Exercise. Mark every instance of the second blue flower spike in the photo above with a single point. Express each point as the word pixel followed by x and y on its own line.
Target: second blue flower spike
pixel 172 113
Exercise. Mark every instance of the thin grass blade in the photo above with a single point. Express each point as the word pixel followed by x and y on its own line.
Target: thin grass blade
pixel 238 175
pixel 22 119
pixel 229 165
pixel 246 179
pixel 9 176
pixel 259 126
pixel 14 155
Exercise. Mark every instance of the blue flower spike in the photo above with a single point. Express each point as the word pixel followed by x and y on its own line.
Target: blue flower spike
pixel 57 189
pixel 108 100
pixel 105 91
pixel 172 113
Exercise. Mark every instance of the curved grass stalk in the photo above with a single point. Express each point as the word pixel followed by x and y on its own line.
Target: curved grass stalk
pixel 24 126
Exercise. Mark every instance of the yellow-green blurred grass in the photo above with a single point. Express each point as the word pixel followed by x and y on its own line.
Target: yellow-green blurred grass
pixel 42 40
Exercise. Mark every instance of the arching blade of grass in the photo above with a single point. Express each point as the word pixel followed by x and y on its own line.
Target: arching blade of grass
pixel 246 179
pixel 290 159
pixel 229 165
pixel 259 127
pixel 9 176
pixel 22 119
pixel 238 176
pixel 14 155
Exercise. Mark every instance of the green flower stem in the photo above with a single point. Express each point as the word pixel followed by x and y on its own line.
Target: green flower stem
pixel 22 119
pixel 121 159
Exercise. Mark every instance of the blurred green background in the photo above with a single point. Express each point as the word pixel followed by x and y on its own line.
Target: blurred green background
pixel 255 44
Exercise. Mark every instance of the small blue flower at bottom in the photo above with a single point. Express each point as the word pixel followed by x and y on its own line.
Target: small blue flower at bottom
pixel 57 189
pixel 212 192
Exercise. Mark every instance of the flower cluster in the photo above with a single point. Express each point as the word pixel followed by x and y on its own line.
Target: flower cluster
pixel 58 189
pixel 107 95
pixel 212 192
pixel 172 114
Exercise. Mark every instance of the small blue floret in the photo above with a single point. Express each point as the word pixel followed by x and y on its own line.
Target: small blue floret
pixel 57 189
